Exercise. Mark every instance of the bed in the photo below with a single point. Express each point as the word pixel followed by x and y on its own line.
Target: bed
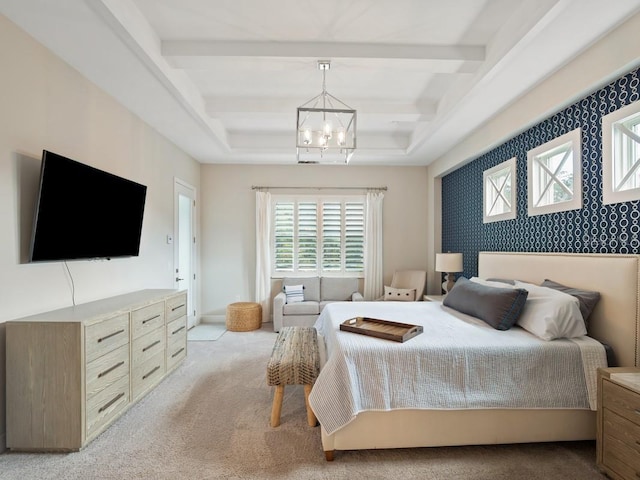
pixel 614 322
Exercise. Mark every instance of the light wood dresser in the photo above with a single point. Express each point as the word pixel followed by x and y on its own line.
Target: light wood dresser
pixel 618 438
pixel 72 372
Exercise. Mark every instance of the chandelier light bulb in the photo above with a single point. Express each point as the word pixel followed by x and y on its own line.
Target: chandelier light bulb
pixel 306 136
pixel 326 130
pixel 341 137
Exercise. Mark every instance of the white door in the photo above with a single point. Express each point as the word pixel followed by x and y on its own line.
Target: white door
pixel 184 245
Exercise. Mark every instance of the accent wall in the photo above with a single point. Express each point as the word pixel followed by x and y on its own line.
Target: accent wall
pixel 593 228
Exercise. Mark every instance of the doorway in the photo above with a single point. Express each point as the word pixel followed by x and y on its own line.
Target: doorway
pixel 184 245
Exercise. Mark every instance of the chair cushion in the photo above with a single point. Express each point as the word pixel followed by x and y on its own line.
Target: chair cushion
pixel 301 308
pixel 337 289
pixel 311 290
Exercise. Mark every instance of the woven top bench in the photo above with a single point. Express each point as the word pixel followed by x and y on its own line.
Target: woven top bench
pixel 295 360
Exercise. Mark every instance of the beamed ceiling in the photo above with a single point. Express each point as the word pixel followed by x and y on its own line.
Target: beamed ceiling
pixel 222 79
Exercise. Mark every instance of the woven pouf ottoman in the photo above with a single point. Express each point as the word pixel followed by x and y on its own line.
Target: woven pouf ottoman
pixel 243 316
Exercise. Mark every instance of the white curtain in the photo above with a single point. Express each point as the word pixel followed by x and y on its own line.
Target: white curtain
pixel 263 253
pixel 373 278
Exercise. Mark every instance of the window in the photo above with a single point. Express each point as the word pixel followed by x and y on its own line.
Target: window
pixel 554 175
pixel 318 235
pixel 500 192
pixel 621 155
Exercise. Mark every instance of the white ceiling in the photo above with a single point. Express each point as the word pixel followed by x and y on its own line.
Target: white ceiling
pixel 222 79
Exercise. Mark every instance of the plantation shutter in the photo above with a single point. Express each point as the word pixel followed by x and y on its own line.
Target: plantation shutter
pixel 283 228
pixel 307 236
pixel 331 236
pixel 316 235
pixel 354 237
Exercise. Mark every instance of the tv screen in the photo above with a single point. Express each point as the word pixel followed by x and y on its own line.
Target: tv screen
pixel 84 213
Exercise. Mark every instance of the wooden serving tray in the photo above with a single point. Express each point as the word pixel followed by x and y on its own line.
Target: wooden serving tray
pixel 374 327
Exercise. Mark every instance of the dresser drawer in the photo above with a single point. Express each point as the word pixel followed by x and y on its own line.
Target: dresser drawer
pixel 146 319
pixel 105 336
pixel 147 346
pixel 106 405
pixel 106 370
pixel 176 307
pixel 620 457
pixel 147 374
pixel 621 429
pixel 621 401
pixel 177 329
pixel 176 351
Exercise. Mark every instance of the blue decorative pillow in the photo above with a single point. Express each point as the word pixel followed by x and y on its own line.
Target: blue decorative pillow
pixel 498 307
pixel 294 293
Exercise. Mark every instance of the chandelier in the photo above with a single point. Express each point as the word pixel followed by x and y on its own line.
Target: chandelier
pixel 326 127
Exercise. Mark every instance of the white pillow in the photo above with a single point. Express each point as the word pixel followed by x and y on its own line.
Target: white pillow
pixel 550 314
pixel 492 283
pixel 399 294
pixel 294 293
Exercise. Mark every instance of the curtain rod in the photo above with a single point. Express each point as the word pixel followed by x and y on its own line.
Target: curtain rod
pixel 255 187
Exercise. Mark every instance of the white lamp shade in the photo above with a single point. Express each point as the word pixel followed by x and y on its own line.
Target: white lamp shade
pixel 449 262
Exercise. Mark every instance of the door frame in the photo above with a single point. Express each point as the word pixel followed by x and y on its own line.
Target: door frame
pixel 188 190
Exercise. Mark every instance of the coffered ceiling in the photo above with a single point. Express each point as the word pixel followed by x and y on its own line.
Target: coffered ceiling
pixel 222 79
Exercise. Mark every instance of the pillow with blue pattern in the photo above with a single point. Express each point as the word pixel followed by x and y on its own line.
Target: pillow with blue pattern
pixel 294 293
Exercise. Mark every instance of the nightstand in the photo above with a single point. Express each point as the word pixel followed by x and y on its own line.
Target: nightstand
pixel 618 427
pixel 432 298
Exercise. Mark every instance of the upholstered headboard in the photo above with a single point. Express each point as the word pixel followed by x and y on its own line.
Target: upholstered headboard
pixel 615 319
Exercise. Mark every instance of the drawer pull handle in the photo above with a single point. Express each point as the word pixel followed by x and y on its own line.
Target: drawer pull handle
pixel 149 319
pixel 111 402
pixel 150 346
pixel 111 335
pixel 176 331
pixel 176 308
pixel 144 377
pixel 177 353
pixel 119 364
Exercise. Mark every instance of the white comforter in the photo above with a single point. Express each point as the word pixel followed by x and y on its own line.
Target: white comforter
pixel 458 362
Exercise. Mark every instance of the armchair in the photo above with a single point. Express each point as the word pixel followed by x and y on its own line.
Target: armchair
pixel 410 279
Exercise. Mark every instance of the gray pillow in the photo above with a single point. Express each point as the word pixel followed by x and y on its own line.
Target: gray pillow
pixel 508 281
pixel 587 298
pixel 499 307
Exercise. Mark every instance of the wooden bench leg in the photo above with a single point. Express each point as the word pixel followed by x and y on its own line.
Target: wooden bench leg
pixel 311 417
pixel 276 409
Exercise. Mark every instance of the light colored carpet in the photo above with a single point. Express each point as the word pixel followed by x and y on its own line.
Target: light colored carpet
pixel 206 332
pixel 210 420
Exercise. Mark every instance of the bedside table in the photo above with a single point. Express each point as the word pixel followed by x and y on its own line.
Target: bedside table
pixel 618 423
pixel 432 298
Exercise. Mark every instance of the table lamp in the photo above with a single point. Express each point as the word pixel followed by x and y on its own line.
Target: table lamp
pixel 449 263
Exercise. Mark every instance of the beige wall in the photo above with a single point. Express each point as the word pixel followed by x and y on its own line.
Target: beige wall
pixel 228 219
pixel 46 104
pixel 612 56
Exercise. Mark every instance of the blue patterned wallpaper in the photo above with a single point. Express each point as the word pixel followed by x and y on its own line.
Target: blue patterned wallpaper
pixel 594 228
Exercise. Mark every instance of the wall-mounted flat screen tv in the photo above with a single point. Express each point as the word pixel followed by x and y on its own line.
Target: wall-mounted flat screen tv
pixel 85 213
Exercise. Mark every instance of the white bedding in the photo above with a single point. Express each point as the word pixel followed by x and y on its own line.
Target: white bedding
pixel 458 362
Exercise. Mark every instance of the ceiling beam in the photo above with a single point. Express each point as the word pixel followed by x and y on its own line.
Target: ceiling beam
pixel 187 53
pixel 219 106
